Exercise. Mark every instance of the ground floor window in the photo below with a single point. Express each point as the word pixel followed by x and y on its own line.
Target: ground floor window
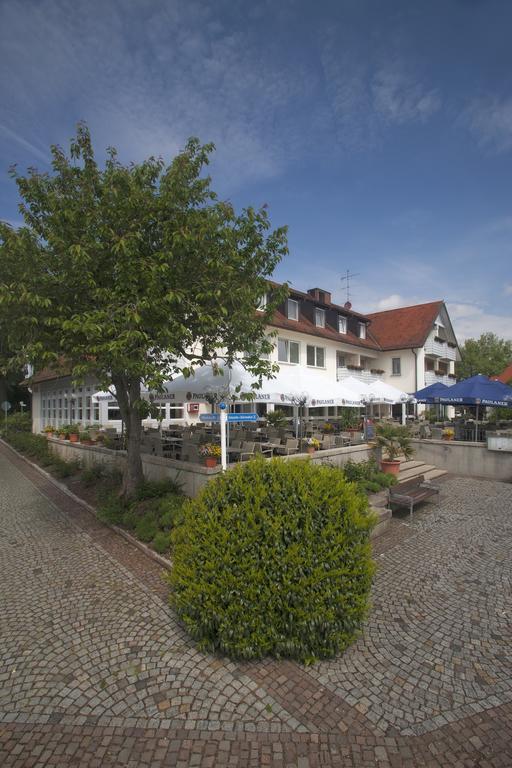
pixel 113 412
pixel 176 411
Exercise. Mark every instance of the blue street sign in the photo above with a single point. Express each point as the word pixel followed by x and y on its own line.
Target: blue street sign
pixel 242 417
pixel 209 417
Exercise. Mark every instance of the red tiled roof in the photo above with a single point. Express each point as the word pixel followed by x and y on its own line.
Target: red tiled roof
pixel 304 325
pixel 406 327
pixel 506 376
pixel 47 374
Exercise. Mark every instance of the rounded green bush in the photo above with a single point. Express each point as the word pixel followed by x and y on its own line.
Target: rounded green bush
pixel 273 558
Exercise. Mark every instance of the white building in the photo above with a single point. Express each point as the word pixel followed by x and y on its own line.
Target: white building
pixel 409 348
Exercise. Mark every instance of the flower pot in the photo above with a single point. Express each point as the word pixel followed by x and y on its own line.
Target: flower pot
pixel 310 450
pixel 210 461
pixel 390 467
pixel 73 438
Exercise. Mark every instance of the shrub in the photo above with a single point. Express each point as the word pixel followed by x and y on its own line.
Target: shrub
pixel 273 558
pixel 162 542
pixel 17 422
pixel 153 489
pixel 171 511
pixel 111 508
pixel 146 528
pixel 63 468
pixel 92 474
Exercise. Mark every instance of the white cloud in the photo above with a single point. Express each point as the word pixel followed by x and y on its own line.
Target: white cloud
pixel 35 151
pixel 391 302
pixel 371 93
pixel 490 120
pixel 508 289
pixel 145 76
pixel 400 98
pixel 471 320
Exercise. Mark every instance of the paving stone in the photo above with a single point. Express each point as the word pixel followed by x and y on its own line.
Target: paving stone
pixel 96 671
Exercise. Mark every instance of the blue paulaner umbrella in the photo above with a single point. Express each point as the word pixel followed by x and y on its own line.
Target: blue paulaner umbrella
pixel 478 390
pixel 432 393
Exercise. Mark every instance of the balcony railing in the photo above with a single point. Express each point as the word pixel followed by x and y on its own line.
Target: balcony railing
pixel 431 377
pixel 440 349
pixel 364 375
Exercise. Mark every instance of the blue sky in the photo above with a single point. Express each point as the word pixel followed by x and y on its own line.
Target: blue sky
pixel 379 131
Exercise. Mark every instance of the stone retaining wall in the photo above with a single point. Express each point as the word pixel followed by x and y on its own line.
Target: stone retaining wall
pixel 468 459
pixel 191 477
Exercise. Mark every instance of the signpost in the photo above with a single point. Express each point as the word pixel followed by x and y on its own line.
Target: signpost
pixel 6 407
pixel 214 417
pixel 223 418
pixel 242 417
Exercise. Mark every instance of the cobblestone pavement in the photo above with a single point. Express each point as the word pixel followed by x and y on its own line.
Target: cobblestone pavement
pixel 96 671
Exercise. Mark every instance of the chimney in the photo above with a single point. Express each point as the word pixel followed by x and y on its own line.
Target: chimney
pixel 318 294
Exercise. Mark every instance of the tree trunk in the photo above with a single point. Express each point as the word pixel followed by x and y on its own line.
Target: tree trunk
pixel 128 397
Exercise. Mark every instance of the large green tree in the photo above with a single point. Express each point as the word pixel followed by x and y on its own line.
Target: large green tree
pixel 488 355
pixel 134 273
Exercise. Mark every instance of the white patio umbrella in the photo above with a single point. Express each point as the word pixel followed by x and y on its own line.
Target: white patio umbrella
pixel 385 393
pixel 288 386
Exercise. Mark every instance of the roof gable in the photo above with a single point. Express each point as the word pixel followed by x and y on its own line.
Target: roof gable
pixel 405 327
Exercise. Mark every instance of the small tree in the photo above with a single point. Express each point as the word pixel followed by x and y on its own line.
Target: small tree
pixel 488 355
pixel 134 273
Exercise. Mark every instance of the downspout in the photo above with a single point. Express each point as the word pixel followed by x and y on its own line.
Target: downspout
pixel 415 381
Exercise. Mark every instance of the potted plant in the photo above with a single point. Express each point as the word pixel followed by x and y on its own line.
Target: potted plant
pixel 73 433
pixel 312 445
pixel 85 437
pixel 448 433
pixel 394 441
pixel 211 452
pixel 93 430
pixel 49 430
pixel 276 419
pixel 328 428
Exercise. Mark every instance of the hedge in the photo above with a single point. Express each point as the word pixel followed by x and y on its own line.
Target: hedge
pixel 273 558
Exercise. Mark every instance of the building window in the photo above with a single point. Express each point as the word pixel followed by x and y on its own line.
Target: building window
pixel 263 303
pixel 396 366
pixel 88 409
pixel 292 309
pixel 96 409
pixel 316 356
pixel 342 324
pixel 341 361
pixel 320 318
pixel 113 412
pixel 161 411
pixel 176 411
pixel 287 351
pixel 362 331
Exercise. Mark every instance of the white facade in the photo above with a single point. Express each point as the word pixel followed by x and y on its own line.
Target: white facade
pixel 57 402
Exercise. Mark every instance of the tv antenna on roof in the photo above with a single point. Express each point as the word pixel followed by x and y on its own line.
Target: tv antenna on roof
pixel 346 280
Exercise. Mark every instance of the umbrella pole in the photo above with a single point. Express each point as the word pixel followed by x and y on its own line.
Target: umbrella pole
pixel 476 424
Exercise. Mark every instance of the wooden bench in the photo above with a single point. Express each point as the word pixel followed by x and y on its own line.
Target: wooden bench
pixel 410 492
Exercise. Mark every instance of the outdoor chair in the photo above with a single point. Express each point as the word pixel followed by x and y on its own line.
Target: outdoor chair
pixel 264 448
pixel 291 446
pixel 247 451
pixel 329 441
